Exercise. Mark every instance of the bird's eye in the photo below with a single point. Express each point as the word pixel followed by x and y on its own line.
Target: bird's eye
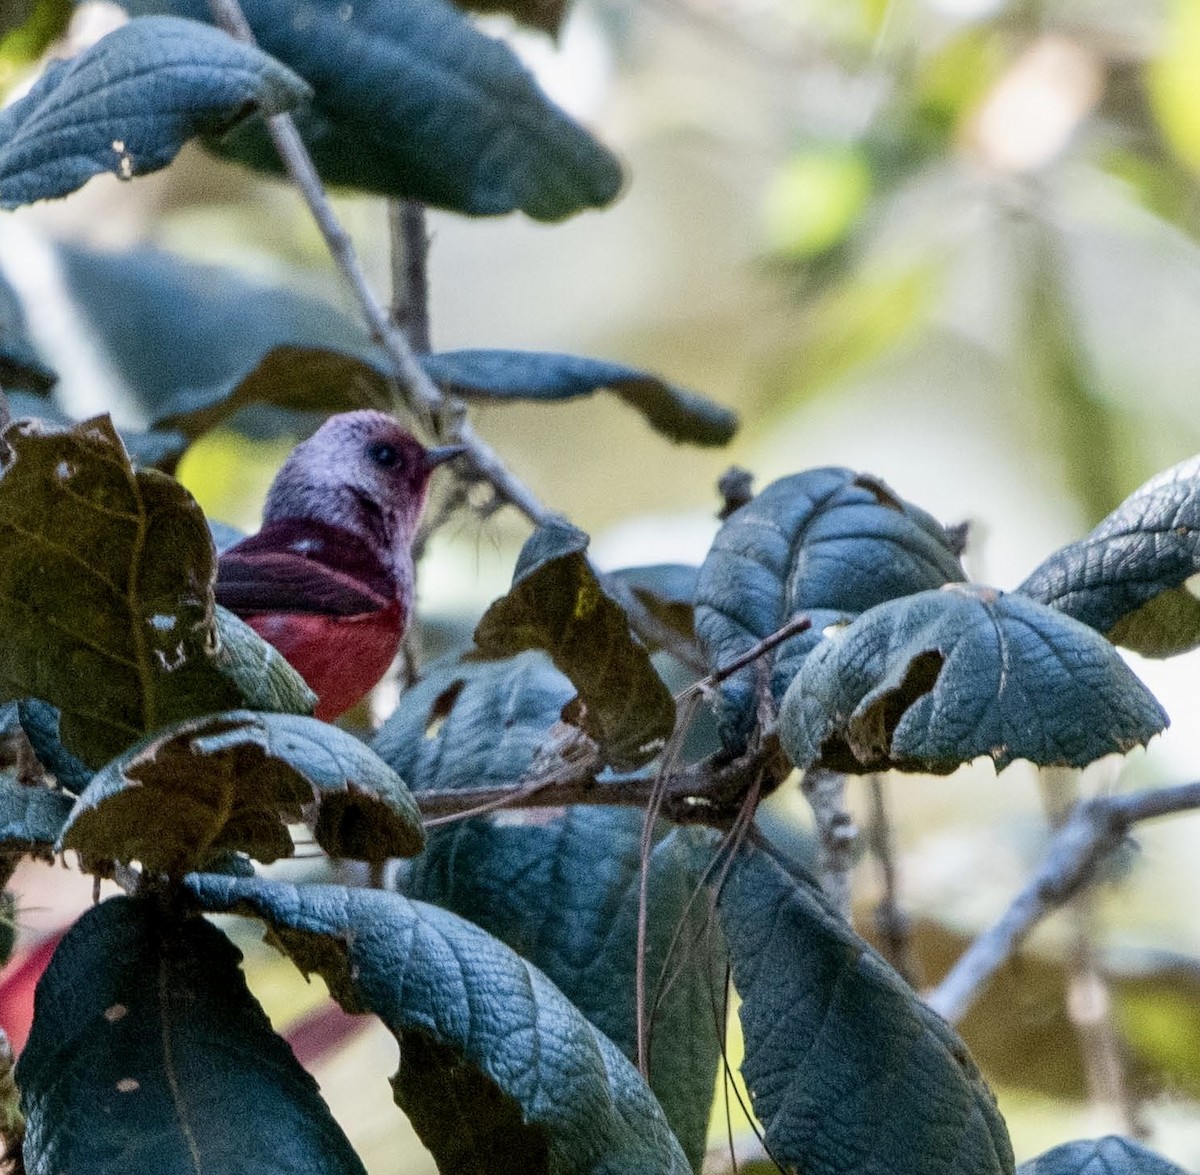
pixel 384 454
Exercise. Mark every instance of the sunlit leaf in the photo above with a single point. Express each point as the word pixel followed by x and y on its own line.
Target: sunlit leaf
pixel 149 1056
pixel 127 105
pixel 847 1069
pixel 1127 578
pixel 536 375
pixel 498 1071
pixel 1101 1156
pixel 27 29
pixel 937 679
pixel 814 200
pixel 413 100
pixel 557 604
pixel 232 783
pixel 827 543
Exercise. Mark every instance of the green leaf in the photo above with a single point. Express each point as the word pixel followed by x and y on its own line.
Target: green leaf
pixel 128 104
pixel 829 543
pixel 474 723
pixel 935 680
pixel 21 366
pixel 232 783
pixel 264 678
pixel 40 722
pixel 675 412
pixel 1100 1156
pixel 1126 579
pixel 498 1072
pixel 563 892
pixel 847 1070
pixel 414 101
pixel 31 818
pixel 149 1056
pixel 557 603
pixel 27 29
pixel 167 325
pixel 303 379
pixel 105 590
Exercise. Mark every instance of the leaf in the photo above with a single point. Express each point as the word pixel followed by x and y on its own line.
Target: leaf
pixel 1101 1156
pixel 147 1052
pixel 40 722
pixel 264 678
pixel 829 543
pixel 1126 579
pixel 935 680
pixel 302 379
pixel 128 104
pixel 21 366
pixel 562 890
pixel 414 101
pixel 30 817
pixel 105 590
pixel 667 590
pixel 474 723
pixel 167 325
pixel 498 1071
pixel 675 412
pixel 847 1070
pixel 557 603
pixel 231 783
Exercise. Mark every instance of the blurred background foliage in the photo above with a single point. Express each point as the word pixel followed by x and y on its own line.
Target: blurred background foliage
pixel 954 243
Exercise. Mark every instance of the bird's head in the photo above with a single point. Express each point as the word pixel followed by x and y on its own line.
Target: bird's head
pixel 360 471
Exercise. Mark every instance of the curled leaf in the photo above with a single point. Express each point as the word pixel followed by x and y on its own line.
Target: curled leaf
pixel 932 681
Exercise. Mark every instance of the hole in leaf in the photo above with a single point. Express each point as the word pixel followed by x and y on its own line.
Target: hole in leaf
pixel 869 736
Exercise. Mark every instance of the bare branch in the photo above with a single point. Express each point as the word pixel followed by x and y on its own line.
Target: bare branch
pixel 410 274
pixel 895 930
pixel 838 836
pixel 1094 829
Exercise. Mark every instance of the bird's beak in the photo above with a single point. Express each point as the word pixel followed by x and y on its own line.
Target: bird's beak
pixel 442 454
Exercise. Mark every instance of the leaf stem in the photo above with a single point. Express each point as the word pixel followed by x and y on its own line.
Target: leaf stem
pixel 1093 830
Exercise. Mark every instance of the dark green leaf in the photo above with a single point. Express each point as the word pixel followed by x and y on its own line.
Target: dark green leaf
pixel 497 1070
pixel 536 375
pixel 828 543
pixel 231 783
pixel 475 723
pixel 167 325
pixel 304 379
pixel 27 28
pixel 40 723
pixel 128 104
pixel 1100 1156
pixel 31 818
pixel 935 680
pixel 556 603
pixel 847 1070
pixel 412 100
pixel 149 1056
pixel 563 892
pixel 105 590
pixel 21 366
pixel 1126 579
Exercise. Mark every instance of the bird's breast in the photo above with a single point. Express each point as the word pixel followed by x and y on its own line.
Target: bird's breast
pixel 340 657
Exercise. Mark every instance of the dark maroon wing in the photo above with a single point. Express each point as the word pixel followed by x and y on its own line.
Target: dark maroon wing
pixel 296 565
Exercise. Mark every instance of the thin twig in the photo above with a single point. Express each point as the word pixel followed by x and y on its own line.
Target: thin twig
pixel 890 920
pixel 1094 829
pixel 443 415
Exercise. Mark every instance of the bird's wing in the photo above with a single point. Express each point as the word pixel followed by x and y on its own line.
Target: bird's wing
pixel 289 567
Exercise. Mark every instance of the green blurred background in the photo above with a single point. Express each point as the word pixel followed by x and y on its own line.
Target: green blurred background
pixel 954 243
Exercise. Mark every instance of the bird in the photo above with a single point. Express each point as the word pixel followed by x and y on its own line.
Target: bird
pixel 328 580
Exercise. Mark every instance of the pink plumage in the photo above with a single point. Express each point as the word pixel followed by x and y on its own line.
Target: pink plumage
pixel 329 579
